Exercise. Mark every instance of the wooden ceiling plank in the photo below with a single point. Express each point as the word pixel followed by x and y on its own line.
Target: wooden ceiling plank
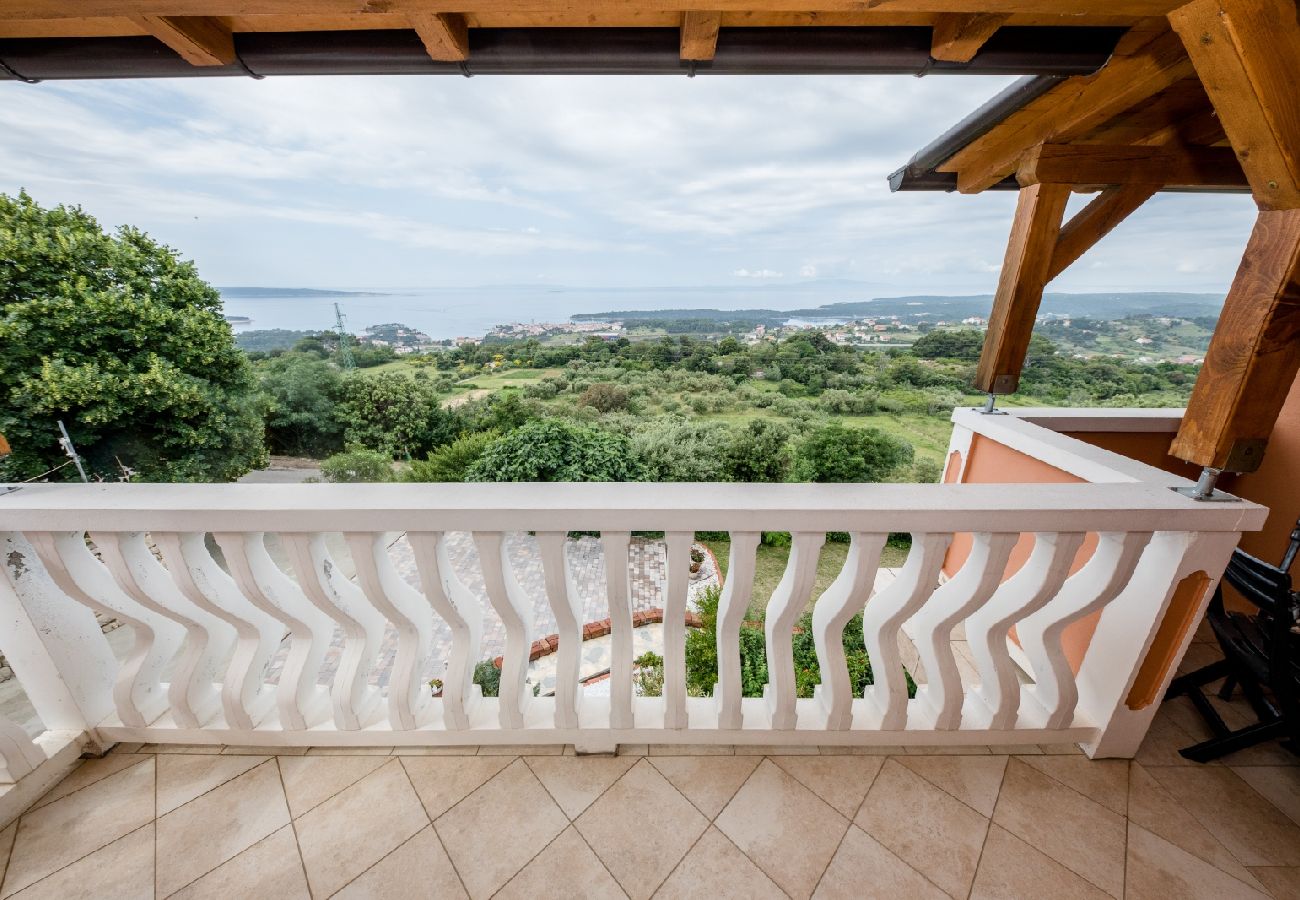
pixel 199 40
pixel 1245 52
pixel 958 37
pixel 700 35
pixel 1253 356
pixel 1074 108
pixel 1095 164
pixel 1039 210
pixel 445 35
pixel 1096 220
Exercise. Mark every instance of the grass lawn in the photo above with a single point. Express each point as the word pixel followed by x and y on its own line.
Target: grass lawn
pixel 770 562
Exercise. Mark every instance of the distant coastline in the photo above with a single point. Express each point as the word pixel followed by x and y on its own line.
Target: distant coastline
pixel 273 293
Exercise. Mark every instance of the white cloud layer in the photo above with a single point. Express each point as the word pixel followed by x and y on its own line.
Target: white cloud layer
pixel 583 181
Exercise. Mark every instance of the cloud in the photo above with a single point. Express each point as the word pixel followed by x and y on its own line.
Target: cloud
pixel 757 273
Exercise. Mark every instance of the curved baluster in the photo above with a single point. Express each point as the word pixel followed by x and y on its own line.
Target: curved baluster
pixel 846 597
pixel 942 695
pixel 562 595
pixel 363 628
pixel 788 602
pixel 138 694
pixel 1054 692
pixel 677 587
pixel 19 753
pixel 300 701
pixel 193 692
pixel 244 695
pixel 1024 593
pixel 408 696
pixel 516 611
pixel 736 594
pixel 618 590
pixel 460 609
pixel 883 619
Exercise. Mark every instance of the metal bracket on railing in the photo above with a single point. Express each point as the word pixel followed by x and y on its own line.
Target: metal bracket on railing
pixel 988 409
pixel 1203 491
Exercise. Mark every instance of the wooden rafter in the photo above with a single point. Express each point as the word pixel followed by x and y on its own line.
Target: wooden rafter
pixel 200 40
pixel 1245 52
pixel 1253 356
pixel 1071 110
pixel 1096 220
pixel 445 35
pixel 1039 210
pixel 1095 164
pixel 700 35
pixel 958 37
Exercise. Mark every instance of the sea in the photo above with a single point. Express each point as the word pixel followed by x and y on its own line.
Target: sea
pixel 472 312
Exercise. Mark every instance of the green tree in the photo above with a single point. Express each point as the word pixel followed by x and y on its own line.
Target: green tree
pixel 357 465
pixel 834 453
pixel 555 450
pixel 394 414
pixel 302 416
pixel 119 338
pixel 758 452
pixel 451 462
pixel 683 450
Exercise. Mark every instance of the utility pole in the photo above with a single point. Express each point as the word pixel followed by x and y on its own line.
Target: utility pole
pixel 345 352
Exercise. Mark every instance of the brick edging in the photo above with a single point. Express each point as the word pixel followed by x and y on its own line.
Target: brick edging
pixel 653 616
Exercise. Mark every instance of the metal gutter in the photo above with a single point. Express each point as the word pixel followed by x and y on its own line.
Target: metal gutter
pixel 1054 52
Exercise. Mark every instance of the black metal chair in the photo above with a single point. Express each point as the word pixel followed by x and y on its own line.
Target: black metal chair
pixel 1261 655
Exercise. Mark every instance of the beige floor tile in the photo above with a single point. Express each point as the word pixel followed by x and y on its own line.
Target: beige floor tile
pixel 970 750
pixel 122 870
pixel 80 823
pixel 641 828
pixel 89 771
pixel 863 869
pixel 1280 785
pixel 912 817
pixel 1011 868
pixel 269 868
pixel 786 829
pixel 126 747
pixel 566 869
pixel 716 868
pixel 182 777
pixel 311 780
pixel 633 749
pixel 1151 806
pixel 6 847
pixel 417 870
pixel 863 750
pixel 690 750
pixel 180 748
pixel 1158 870
pixel 842 781
pixel 774 749
pixel 575 782
pixel 204 833
pixel 511 813
pixel 1254 830
pixel 471 750
pixel 1061 749
pixel 1015 749
pixel 974 780
pixel 1165 738
pixel 1080 834
pixel 709 783
pixel 1102 780
pixel 522 750
pixel 350 751
pixel 357 827
pixel 444 781
pixel 1280 881
pixel 239 750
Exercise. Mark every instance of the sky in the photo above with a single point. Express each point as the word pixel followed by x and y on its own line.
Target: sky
pixel 623 181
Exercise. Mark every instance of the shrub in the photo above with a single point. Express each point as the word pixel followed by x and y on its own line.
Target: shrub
pixel 453 461
pixel 555 450
pixel 834 453
pixel 488 677
pixel 357 465
pixel 682 450
pixel 604 397
pixel 648 678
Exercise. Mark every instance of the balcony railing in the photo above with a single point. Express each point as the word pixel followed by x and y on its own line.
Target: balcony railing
pixel 1021 568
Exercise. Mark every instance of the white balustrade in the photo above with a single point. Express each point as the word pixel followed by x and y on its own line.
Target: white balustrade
pixel 217 581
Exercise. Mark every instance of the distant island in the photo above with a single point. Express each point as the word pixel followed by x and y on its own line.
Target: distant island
pixel 288 293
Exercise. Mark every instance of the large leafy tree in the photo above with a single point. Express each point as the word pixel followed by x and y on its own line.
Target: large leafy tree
pixel 118 337
pixel 836 454
pixel 555 450
pixel 395 414
pixel 303 393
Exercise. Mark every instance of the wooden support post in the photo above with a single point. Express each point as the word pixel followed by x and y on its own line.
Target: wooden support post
pixel 1253 356
pixel 1245 53
pixel 1039 211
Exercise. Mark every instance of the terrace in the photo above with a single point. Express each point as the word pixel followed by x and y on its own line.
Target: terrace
pixel 1056 580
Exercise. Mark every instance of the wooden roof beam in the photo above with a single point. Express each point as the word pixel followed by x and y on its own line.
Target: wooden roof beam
pixel 1098 164
pixel 445 35
pixel 958 37
pixel 1076 107
pixel 1245 53
pixel 200 40
pixel 700 35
